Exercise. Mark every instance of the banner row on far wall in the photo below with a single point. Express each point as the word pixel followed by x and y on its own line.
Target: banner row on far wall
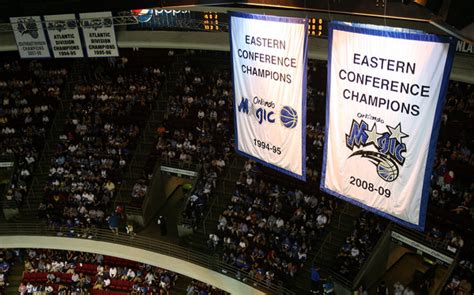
pixel 62 37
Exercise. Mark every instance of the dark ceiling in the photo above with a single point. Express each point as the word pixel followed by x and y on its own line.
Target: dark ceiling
pixel 459 13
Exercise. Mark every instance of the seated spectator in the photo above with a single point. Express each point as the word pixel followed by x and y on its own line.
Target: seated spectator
pixel 114 221
pixel 197 202
pixel 462 278
pixel 6 259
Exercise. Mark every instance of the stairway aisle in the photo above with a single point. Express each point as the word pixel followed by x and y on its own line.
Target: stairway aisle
pixel 324 256
pixel 220 198
pixel 146 144
pixel 181 285
pixel 144 148
pixel 40 176
pixel 341 225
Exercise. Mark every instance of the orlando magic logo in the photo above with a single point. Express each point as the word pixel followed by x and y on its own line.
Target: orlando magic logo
pixel 28 26
pixel 266 111
pixel 389 147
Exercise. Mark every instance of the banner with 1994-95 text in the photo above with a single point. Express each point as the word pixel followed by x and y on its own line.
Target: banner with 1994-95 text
pixel 269 56
pixel 64 36
pixel 99 34
pixel 30 37
pixel 386 91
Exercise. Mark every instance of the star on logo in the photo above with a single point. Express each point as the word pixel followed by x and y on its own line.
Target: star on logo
pixel 397 132
pixel 372 135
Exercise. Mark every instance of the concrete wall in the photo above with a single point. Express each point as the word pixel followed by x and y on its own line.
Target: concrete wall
pixel 155 198
pixel 463 68
pixel 375 266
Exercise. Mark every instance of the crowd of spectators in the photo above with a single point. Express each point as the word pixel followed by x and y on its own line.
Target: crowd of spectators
pixel 29 95
pixel 449 240
pixel 315 144
pixel 48 271
pixel 201 195
pixel 53 271
pixel 141 186
pixel 108 109
pixel 270 227
pixel 197 130
pixel 451 202
pixel 359 244
pixel 197 287
pixel 7 258
pixel 140 189
pixel 452 179
pixel 255 233
pixel 462 278
pixel 314 116
pixel 197 126
pixel 451 206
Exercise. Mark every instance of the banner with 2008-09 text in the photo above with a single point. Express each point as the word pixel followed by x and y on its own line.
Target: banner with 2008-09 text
pixel 269 56
pixel 386 90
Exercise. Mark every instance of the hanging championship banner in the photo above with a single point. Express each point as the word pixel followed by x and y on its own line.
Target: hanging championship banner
pixel 386 90
pixel 30 37
pixel 269 56
pixel 99 34
pixel 64 35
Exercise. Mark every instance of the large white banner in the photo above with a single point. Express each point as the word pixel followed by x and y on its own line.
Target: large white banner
pixel 64 35
pixel 99 34
pixel 269 56
pixel 30 37
pixel 386 90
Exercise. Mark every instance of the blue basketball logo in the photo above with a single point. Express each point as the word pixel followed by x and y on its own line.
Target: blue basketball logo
pixel 289 117
pixel 387 170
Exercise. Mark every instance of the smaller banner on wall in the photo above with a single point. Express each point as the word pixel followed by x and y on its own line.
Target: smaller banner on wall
pixel 269 56
pixel 385 94
pixel 99 34
pixel 30 37
pixel 64 35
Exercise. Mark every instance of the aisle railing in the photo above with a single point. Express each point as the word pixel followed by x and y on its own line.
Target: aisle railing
pixel 145 243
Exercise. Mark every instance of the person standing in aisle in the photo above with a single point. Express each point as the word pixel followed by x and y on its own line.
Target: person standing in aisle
pixel 315 280
pixel 129 230
pixel 162 224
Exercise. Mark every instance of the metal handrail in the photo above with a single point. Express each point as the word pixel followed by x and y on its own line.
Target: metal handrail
pixel 330 270
pixel 358 277
pixel 178 164
pixel 181 219
pixel 418 236
pixel 141 242
pixel 215 200
pixel 209 210
pixel 320 251
pixel 334 274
